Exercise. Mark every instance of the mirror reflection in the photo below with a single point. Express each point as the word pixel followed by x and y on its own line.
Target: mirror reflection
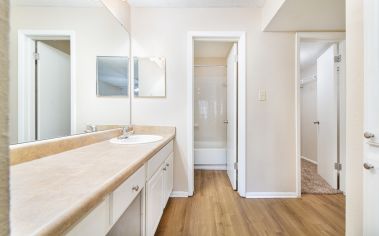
pixel 112 76
pixel 150 77
pixel 54 52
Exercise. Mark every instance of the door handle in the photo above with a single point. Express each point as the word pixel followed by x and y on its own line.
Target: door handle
pixel 316 122
pixel 368 166
pixel 226 122
pixel 368 135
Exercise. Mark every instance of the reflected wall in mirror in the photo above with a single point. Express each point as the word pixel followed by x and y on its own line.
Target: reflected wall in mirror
pixel 149 77
pixel 53 56
pixel 112 76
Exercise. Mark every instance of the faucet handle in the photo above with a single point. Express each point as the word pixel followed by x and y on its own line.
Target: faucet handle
pixel 126 128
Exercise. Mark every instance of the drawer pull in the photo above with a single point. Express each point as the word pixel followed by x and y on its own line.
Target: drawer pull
pixel 135 188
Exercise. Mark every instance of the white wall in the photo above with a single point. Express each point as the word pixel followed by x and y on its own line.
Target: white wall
pixel 309 114
pixel 120 10
pixel 270 65
pixel 354 118
pixel 4 149
pixel 98 33
pixel 269 10
pixel 305 15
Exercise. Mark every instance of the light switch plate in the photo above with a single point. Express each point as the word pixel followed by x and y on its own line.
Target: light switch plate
pixel 262 95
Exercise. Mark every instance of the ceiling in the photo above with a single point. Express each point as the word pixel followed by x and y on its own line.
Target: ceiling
pixel 196 3
pixel 309 15
pixel 60 3
pixel 310 50
pixel 212 49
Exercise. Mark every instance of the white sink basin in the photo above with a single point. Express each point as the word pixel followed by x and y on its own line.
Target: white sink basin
pixel 137 139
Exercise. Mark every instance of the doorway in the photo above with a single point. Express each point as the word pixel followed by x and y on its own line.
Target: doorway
pixel 215 107
pixel 46 88
pixel 321 113
pixel 216 102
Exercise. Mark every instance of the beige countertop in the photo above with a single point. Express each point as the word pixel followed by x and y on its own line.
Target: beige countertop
pixel 51 194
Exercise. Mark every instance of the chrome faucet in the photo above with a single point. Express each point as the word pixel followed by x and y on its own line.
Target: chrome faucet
pixel 126 132
pixel 91 128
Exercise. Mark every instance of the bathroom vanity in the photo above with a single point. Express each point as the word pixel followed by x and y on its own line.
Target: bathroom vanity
pixel 99 189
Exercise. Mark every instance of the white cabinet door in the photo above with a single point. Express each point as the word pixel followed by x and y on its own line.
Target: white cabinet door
pixel 155 198
pixel 169 178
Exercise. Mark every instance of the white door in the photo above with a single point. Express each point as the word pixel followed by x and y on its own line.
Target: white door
pixel 53 92
pixel 371 121
pixel 231 94
pixel 327 115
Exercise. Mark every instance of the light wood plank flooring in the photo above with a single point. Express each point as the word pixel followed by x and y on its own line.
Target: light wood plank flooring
pixel 216 209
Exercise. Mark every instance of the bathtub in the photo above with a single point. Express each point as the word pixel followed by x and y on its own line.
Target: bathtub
pixel 210 155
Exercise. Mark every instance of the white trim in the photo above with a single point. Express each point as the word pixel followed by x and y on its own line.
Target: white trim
pixel 310 160
pixel 333 36
pixel 210 167
pixel 240 37
pixel 179 194
pixel 23 133
pixel 271 195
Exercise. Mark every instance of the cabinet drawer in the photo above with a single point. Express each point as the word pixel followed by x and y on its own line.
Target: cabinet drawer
pixel 124 195
pixel 96 223
pixel 155 162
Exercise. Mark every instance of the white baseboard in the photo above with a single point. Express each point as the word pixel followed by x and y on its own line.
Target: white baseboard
pixel 271 195
pixel 179 194
pixel 210 167
pixel 307 159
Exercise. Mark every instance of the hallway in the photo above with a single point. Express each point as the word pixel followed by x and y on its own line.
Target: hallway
pixel 217 210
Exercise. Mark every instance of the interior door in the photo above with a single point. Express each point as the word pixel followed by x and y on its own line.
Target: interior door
pixel 371 117
pixel 53 92
pixel 327 115
pixel 231 94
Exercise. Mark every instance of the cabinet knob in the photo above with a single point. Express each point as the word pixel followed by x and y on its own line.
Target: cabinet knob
pixel 164 168
pixel 167 164
pixel 135 188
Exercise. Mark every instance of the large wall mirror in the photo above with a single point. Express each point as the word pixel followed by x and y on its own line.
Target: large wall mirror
pixel 54 53
pixel 149 77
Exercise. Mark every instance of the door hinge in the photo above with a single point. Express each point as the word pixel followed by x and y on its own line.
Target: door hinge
pixel 36 56
pixel 236 165
pixel 337 58
pixel 337 166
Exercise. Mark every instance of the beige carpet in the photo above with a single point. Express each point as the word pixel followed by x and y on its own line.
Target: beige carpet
pixel 313 183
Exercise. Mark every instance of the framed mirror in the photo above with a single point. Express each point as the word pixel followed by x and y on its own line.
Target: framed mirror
pixel 112 76
pixel 150 77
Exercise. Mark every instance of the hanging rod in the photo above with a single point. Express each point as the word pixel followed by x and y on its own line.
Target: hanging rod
pixel 209 65
pixel 308 80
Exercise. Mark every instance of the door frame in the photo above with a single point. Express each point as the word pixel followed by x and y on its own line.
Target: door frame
pixel 240 38
pixel 24 66
pixel 337 36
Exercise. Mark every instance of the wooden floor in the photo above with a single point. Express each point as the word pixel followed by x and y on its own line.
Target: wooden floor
pixel 217 210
